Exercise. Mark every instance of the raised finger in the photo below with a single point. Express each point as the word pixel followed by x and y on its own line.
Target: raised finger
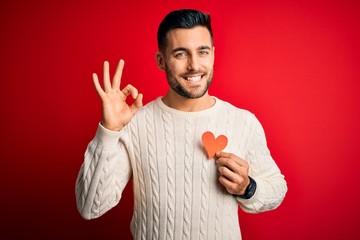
pixel 106 76
pixel 97 85
pixel 117 76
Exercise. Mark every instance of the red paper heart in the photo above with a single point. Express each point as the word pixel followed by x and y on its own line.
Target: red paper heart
pixel 213 145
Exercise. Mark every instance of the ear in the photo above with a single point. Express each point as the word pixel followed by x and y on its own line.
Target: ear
pixel 213 51
pixel 160 60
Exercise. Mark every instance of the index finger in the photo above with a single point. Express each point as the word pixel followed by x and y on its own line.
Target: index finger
pixel 224 157
pixel 117 76
pixel 97 85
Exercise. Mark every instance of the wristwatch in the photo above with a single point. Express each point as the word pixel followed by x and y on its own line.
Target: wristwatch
pixel 249 191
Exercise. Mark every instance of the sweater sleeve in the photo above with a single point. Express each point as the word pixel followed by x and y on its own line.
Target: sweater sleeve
pixel 271 185
pixel 103 175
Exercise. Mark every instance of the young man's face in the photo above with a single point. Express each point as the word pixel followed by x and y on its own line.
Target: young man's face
pixel 188 61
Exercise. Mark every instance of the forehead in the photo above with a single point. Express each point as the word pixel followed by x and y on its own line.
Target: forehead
pixel 189 38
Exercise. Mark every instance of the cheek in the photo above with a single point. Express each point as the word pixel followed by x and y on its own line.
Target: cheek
pixel 176 67
pixel 209 63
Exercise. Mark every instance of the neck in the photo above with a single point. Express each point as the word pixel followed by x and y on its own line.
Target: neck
pixel 184 104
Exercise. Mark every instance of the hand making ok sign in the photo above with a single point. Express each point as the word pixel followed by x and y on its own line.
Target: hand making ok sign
pixel 116 113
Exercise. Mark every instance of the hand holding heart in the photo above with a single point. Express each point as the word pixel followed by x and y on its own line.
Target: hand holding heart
pixel 233 170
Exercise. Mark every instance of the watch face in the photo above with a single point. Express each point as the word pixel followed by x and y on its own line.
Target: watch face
pixel 251 188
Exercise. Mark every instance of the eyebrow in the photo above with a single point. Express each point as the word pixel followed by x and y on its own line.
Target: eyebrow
pixel 204 48
pixel 185 49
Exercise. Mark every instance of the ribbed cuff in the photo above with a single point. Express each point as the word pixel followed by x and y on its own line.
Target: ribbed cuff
pixel 106 138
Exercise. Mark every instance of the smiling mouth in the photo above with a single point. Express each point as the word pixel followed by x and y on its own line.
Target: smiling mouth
pixel 194 78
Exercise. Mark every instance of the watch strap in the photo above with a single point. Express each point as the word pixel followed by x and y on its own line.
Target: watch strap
pixel 249 191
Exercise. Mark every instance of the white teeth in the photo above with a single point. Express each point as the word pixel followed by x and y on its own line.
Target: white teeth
pixel 194 79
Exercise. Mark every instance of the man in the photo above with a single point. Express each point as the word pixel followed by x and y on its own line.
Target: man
pixel 178 192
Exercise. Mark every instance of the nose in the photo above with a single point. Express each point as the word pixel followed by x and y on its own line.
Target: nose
pixel 193 63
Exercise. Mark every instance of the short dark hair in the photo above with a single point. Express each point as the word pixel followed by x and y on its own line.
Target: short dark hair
pixel 183 18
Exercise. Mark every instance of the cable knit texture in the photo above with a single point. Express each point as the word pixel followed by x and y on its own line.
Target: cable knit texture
pixel 177 194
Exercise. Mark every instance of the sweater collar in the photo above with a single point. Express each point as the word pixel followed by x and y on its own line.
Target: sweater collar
pixel 202 113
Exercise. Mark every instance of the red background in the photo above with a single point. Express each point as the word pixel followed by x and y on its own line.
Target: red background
pixel 295 64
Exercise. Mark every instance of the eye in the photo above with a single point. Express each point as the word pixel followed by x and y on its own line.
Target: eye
pixel 203 52
pixel 180 54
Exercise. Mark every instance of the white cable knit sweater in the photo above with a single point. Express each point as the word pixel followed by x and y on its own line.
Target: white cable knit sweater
pixel 177 193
